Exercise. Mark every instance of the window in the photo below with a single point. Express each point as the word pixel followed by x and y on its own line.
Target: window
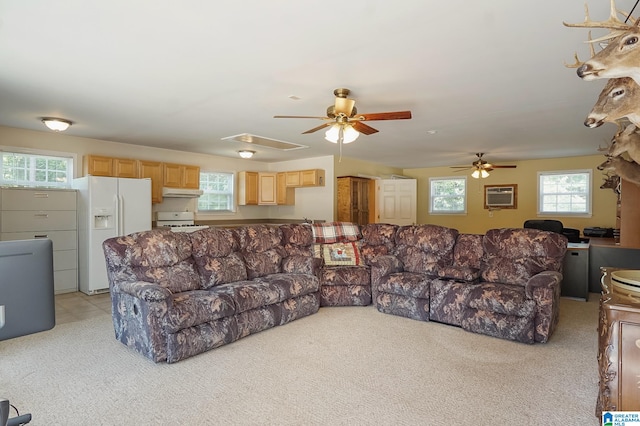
pixel 38 170
pixel 448 195
pixel 218 192
pixel 564 192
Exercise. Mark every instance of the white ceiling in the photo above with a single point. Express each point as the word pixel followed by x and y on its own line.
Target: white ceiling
pixel 486 75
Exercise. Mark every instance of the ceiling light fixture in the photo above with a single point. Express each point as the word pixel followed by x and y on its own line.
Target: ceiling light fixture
pixel 480 173
pixel 246 153
pixel 349 134
pixel 56 124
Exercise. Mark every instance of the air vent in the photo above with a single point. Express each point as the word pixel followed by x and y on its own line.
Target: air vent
pixel 500 196
pixel 265 142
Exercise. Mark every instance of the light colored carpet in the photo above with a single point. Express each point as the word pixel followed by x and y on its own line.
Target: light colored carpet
pixel 342 366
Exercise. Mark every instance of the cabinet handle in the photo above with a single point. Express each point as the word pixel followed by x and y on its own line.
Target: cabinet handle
pixel 41 195
pixel 41 236
pixel 42 215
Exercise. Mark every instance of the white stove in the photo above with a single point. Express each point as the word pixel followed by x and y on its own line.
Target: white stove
pixel 178 221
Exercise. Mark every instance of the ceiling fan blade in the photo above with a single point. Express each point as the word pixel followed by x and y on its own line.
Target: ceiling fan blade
pixel 397 115
pixel 363 128
pixel 315 129
pixel 503 167
pixel 460 167
pixel 301 116
pixel 344 106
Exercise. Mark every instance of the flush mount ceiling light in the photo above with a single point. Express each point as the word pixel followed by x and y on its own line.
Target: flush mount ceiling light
pixel 349 134
pixel 56 124
pixel 246 153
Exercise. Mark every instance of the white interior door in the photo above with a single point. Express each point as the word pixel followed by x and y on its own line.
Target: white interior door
pixel 397 201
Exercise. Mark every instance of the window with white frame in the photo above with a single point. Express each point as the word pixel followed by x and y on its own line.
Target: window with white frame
pixel 448 195
pixel 218 192
pixel 564 192
pixel 40 169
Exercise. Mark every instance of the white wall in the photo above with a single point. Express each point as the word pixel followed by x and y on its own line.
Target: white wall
pixel 314 203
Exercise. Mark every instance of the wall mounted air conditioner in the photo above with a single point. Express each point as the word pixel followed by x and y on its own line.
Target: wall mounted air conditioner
pixel 501 196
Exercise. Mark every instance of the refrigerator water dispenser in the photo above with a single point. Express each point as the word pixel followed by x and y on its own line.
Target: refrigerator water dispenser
pixel 103 219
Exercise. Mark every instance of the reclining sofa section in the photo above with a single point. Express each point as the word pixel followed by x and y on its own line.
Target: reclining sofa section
pixel 175 295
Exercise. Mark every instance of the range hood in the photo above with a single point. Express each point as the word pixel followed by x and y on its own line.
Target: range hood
pixel 181 193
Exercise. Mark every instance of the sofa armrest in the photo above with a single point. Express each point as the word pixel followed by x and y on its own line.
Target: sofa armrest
pixel 543 285
pixel 149 292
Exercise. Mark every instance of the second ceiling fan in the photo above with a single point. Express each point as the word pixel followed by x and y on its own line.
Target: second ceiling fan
pixel 481 167
pixel 344 122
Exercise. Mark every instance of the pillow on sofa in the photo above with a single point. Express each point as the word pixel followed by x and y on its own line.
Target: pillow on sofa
pixel 341 254
pixel 335 232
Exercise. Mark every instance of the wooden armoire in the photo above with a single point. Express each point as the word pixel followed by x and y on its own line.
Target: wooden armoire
pixel 356 198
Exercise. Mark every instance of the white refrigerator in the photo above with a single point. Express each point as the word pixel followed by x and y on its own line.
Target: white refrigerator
pixel 107 207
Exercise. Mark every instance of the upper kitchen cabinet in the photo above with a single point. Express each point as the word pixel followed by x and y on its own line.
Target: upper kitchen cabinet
pixel 292 179
pixel 97 165
pixel 267 189
pixel 313 177
pixel 285 195
pixel 181 176
pixel 248 188
pixel 152 170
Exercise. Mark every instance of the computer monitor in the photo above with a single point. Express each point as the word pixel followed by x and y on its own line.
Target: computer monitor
pixel 27 303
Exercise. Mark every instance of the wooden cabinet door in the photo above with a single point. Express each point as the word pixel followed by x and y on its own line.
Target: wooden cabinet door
pixel 125 168
pixel 293 179
pixel 267 189
pixel 313 177
pixel 248 188
pixel 285 195
pixel 171 175
pixel 152 170
pixel 96 165
pixel 191 177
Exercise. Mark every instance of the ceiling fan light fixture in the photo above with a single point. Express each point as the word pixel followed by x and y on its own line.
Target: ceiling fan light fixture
pixel 484 174
pixel 56 124
pixel 246 153
pixel 349 134
pixel 475 174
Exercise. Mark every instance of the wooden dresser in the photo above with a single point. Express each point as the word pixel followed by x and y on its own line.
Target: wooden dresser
pixel 618 349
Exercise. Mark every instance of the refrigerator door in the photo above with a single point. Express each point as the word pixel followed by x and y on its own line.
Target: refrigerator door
pixel 134 205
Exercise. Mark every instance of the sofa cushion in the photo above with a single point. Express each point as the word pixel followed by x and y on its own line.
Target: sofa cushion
pixel 259 238
pixel 345 275
pixel 418 261
pixel 405 284
pixel 335 232
pixel 425 248
pixel 378 239
pixel 292 285
pixel 162 257
pixel 215 253
pixel 500 298
pixel 262 263
pixel 249 295
pixel 191 308
pixel 504 270
pixel 220 270
pixel 459 273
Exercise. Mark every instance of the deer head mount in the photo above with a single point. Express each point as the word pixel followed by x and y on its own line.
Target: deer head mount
pixel 621 56
pixel 618 99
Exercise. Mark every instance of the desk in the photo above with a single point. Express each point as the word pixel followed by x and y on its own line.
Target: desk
pixel 604 252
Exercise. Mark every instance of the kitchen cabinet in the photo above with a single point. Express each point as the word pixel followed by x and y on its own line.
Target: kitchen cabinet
pixel 181 176
pixel 285 195
pixel 267 187
pixel 313 177
pixel 618 350
pixel 293 179
pixel 97 165
pixel 248 188
pixel 30 213
pixel 153 171
pixel 354 200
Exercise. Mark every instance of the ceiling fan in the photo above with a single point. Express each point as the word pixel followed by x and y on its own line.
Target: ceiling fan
pixel 481 168
pixel 344 122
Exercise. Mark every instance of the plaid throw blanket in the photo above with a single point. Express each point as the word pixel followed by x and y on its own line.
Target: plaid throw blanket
pixel 335 232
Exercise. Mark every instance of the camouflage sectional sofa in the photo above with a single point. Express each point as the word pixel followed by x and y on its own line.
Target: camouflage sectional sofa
pixel 175 295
